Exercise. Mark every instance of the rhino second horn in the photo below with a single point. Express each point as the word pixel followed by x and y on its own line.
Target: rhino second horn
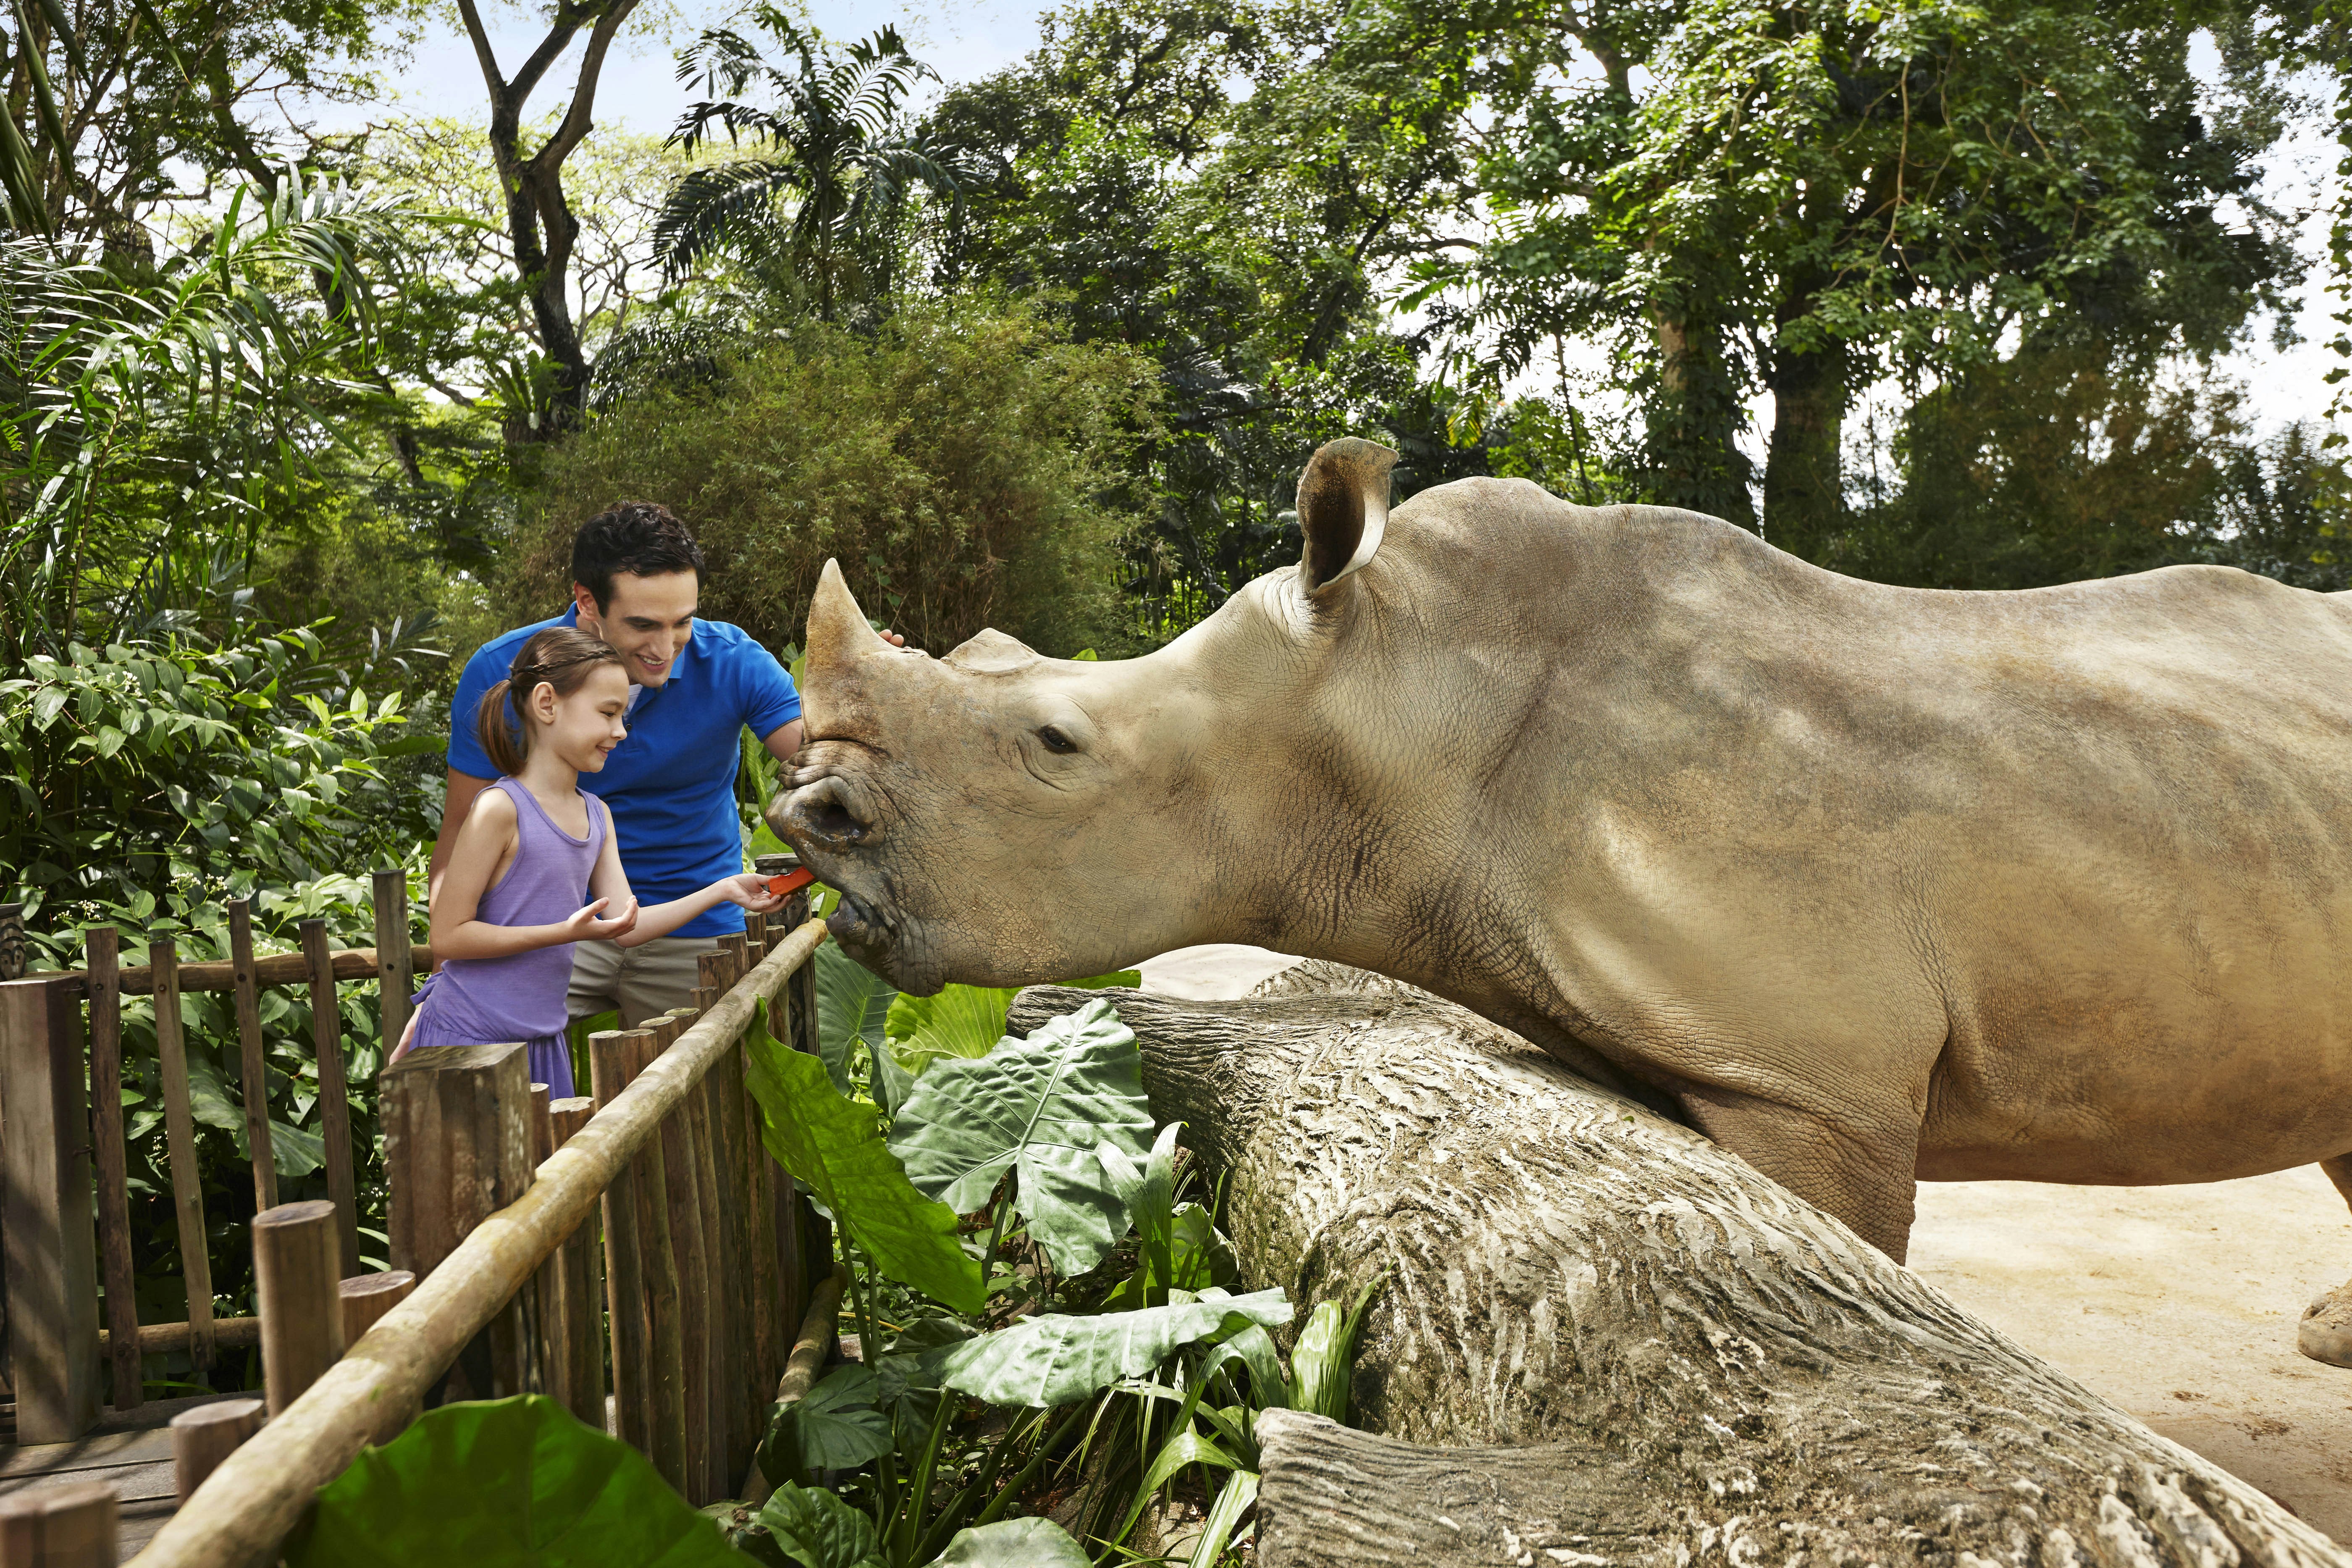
pixel 1343 508
pixel 840 648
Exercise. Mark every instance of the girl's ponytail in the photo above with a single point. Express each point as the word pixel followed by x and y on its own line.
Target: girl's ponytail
pixel 560 656
pixel 498 736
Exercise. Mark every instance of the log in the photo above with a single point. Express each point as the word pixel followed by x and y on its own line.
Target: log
pixel 1597 1338
pixel 48 1217
pixel 203 1438
pixel 178 1339
pixel 72 1525
pixel 278 969
pixel 802 1368
pixel 364 1298
pixel 297 1268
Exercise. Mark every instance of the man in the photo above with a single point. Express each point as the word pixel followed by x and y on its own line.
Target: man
pixel 695 685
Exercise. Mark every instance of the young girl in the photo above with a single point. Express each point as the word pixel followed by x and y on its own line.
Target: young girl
pixel 532 846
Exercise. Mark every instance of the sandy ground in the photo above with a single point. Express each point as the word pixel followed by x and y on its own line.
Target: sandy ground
pixel 2178 1304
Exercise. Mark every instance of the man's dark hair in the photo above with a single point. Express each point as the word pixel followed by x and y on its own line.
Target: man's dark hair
pixel 639 537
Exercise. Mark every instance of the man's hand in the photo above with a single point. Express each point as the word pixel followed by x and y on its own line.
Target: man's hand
pixel 893 638
pixel 585 925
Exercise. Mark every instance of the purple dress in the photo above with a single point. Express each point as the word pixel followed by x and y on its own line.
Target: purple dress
pixel 490 1001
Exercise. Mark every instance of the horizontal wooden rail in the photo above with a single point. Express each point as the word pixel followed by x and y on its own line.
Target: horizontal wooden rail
pixel 244 1511
pixel 163 1339
pixel 278 969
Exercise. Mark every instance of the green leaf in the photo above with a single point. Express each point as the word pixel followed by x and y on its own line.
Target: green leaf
pixel 208 1097
pixel 817 1530
pixel 853 1003
pixel 510 1483
pixel 294 1151
pixel 833 1144
pixel 1013 1544
pixel 1322 1366
pixel 1186 1447
pixel 1234 1500
pixel 832 1426
pixel 1039 1107
pixel 967 1020
pixel 1052 1360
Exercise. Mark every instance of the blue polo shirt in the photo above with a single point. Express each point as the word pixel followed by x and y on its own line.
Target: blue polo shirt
pixel 671 784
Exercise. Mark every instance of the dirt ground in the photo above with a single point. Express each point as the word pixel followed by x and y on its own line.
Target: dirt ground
pixel 2178 1304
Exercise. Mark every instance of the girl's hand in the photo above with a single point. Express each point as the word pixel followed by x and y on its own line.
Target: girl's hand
pixel 751 891
pixel 584 926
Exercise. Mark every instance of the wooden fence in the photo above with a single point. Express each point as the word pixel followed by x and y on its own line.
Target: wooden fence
pixel 533 1244
pixel 65 1212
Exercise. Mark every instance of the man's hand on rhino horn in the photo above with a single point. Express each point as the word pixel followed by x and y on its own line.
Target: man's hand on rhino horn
pixel 893 638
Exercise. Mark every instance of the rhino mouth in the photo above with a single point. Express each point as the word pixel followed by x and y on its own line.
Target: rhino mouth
pixel 874 935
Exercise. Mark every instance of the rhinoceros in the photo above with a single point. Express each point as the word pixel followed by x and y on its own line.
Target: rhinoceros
pixel 1869 885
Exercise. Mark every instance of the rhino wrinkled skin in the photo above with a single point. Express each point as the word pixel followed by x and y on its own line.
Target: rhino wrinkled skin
pixel 1870 885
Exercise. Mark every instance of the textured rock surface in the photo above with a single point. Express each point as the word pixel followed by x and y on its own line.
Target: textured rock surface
pixel 1683 1360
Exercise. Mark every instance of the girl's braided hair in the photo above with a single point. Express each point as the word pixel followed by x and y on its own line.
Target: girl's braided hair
pixel 561 656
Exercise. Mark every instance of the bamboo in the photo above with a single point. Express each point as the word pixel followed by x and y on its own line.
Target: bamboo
pixel 624 1277
pixel 365 1297
pixel 804 1367
pixel 180 1140
pixel 257 1143
pixel 553 1337
pixel 255 1497
pixel 104 944
pixel 203 1438
pixel 278 969
pixel 676 1393
pixel 334 1094
pixel 68 1526
pixel 297 1268
pixel 394 962
pixel 584 1288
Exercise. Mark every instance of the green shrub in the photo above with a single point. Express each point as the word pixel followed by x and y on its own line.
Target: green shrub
pixel 961 462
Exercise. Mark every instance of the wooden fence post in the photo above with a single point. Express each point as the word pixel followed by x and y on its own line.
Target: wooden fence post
pixel 72 1526
pixel 249 1054
pixel 102 944
pixel 666 1385
pixel 625 1277
pixel 554 1308
pixel 364 1298
pixel 393 962
pixel 297 1268
pixel 203 1438
pixel 48 1220
pixel 584 1288
pixel 335 1093
pixel 457 1149
pixel 179 1140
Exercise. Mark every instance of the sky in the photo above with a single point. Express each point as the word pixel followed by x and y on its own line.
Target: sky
pixel 968 40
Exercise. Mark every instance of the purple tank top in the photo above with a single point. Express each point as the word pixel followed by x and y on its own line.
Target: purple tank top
pixel 485 1001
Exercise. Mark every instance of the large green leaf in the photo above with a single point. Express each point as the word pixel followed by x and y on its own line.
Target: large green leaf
pixel 853 1003
pixel 1052 1360
pixel 1013 1544
pixel 1039 1107
pixel 817 1530
pixel 832 1426
pixel 510 1483
pixel 833 1144
pixel 1322 1366
pixel 966 1020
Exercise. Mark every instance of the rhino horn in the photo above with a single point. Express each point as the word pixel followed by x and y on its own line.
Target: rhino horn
pixel 1343 508
pixel 841 645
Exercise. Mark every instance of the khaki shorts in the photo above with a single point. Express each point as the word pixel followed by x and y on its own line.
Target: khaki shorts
pixel 642 981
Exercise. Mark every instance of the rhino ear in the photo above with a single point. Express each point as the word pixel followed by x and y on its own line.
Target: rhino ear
pixel 1343 508
pixel 840 644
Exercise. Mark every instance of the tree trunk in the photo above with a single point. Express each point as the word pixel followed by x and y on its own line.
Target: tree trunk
pixel 1667 1356
pixel 1693 422
pixel 1804 477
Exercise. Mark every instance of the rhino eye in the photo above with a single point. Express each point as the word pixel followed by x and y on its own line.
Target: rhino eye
pixel 1055 740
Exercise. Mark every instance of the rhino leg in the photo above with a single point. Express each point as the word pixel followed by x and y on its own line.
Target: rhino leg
pixel 2326 1333
pixel 1858 1167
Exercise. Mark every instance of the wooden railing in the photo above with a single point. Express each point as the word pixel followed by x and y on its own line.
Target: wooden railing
pixel 65 1211
pixel 707 1256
